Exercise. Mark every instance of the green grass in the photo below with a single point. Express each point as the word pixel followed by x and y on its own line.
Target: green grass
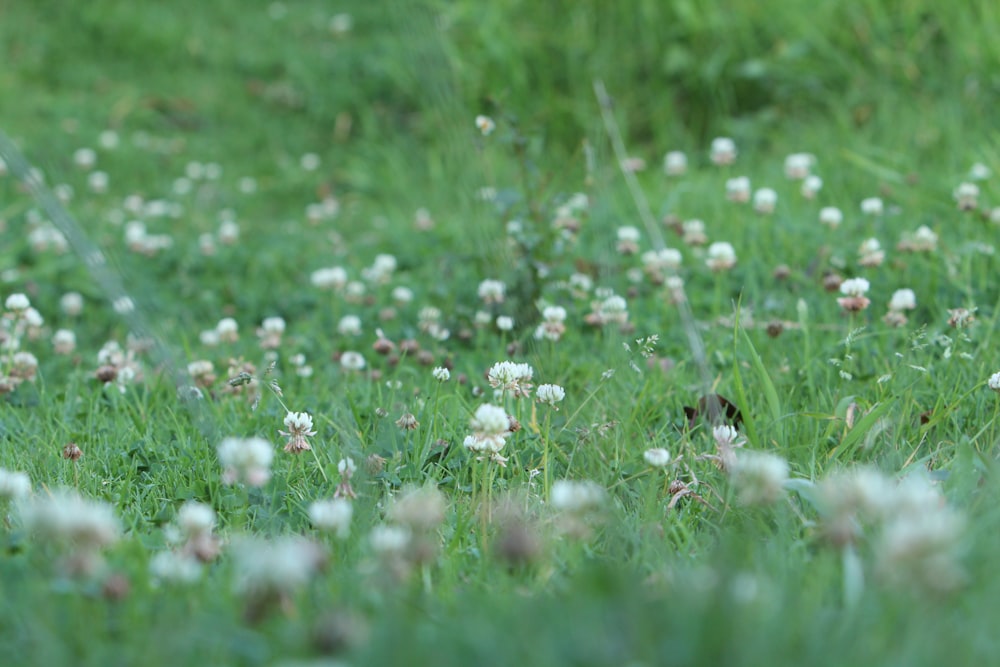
pixel 893 99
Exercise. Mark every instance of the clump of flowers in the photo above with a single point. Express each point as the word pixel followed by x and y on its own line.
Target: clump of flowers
pixel 300 427
pixel 923 239
pixel 657 264
pixel 854 299
pixel 611 309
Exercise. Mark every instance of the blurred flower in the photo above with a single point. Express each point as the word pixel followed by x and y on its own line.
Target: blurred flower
pixel 723 151
pixel 246 460
pixel 764 200
pixel 332 515
pixel 721 256
pixel 485 125
pixel 658 457
pixel 872 206
pixel 674 163
pixel 738 189
pixel 758 477
pixel 967 196
pixel 831 216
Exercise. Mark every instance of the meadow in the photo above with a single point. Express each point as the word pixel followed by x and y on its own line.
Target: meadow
pixel 566 333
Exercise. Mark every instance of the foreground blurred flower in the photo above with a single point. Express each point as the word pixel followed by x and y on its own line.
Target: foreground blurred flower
pixel 80 526
pixel 490 426
pixel 758 477
pixel 674 163
pixel 332 516
pixel 246 460
pixel 268 571
pixel 994 382
pixel 14 485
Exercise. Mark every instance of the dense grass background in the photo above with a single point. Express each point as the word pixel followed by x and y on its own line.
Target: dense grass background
pixel 894 99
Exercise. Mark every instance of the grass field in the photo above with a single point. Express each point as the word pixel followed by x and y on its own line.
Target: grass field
pixel 362 333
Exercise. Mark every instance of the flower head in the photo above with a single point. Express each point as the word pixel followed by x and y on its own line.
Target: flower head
pixel 723 151
pixel 854 290
pixel 490 426
pixel 300 427
pixel 485 125
pixel 246 460
pixel 332 515
pixel 721 256
pixel 550 394
pixel 758 477
pixel 658 457
pixel 508 376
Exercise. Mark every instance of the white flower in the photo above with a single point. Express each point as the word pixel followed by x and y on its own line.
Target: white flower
pixel 872 206
pixel 658 457
pixel 797 165
pixel 332 515
pixel 352 361
pixel 614 309
pixel 178 567
pixel 329 278
pixel 550 394
pixel 389 541
pixel 14 485
pixel 195 519
pixel 854 287
pixel 675 163
pixel 492 291
pixel 71 303
pixel 309 162
pixel 903 299
pixel 577 497
pixel 994 382
pixel 720 256
pixel 811 185
pixel 349 325
pixel 726 436
pixel 63 341
pixel 402 295
pixel 441 374
pixel 967 196
pixel 511 376
pixel 723 151
pixel 505 322
pixel 246 460
pixel 758 477
pixel 764 200
pixel 346 467
pixel 17 303
pixel 490 426
pixel 738 189
pixel 228 330
pixel 485 125
pixel 65 516
pixel 85 158
pixel 275 566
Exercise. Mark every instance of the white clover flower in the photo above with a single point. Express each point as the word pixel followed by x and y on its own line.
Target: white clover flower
pixel 63 341
pixel 71 303
pixel 723 151
pixel 872 206
pixel 334 277
pixel 967 196
pixel 505 322
pixel 441 374
pixel 726 436
pixel 720 256
pixel 275 566
pixel 550 394
pixel 490 426
pixel 309 162
pixel 628 234
pixel 613 309
pixel 352 361
pixel 693 233
pixel 811 186
pixel 332 515
pixel 980 172
pixel 349 325
pixel 14 485
pixel 675 163
pixel 994 382
pixel 85 158
pixel 758 477
pixel 511 376
pixel 300 427
pixel 924 239
pixel 176 567
pixel 17 303
pixel 485 125
pixel 246 460
pixel 228 330
pixel 797 165
pixel 402 295
pixel 420 509
pixel 195 519
pixel 855 287
pixel 389 541
pixel 831 216
pixel 658 457
pixel 492 291
pixel 554 313
pixel 576 497
pixel 229 232
pixel 66 517
pixel 738 189
pixel 764 200
pixel 346 467
pixel 903 299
